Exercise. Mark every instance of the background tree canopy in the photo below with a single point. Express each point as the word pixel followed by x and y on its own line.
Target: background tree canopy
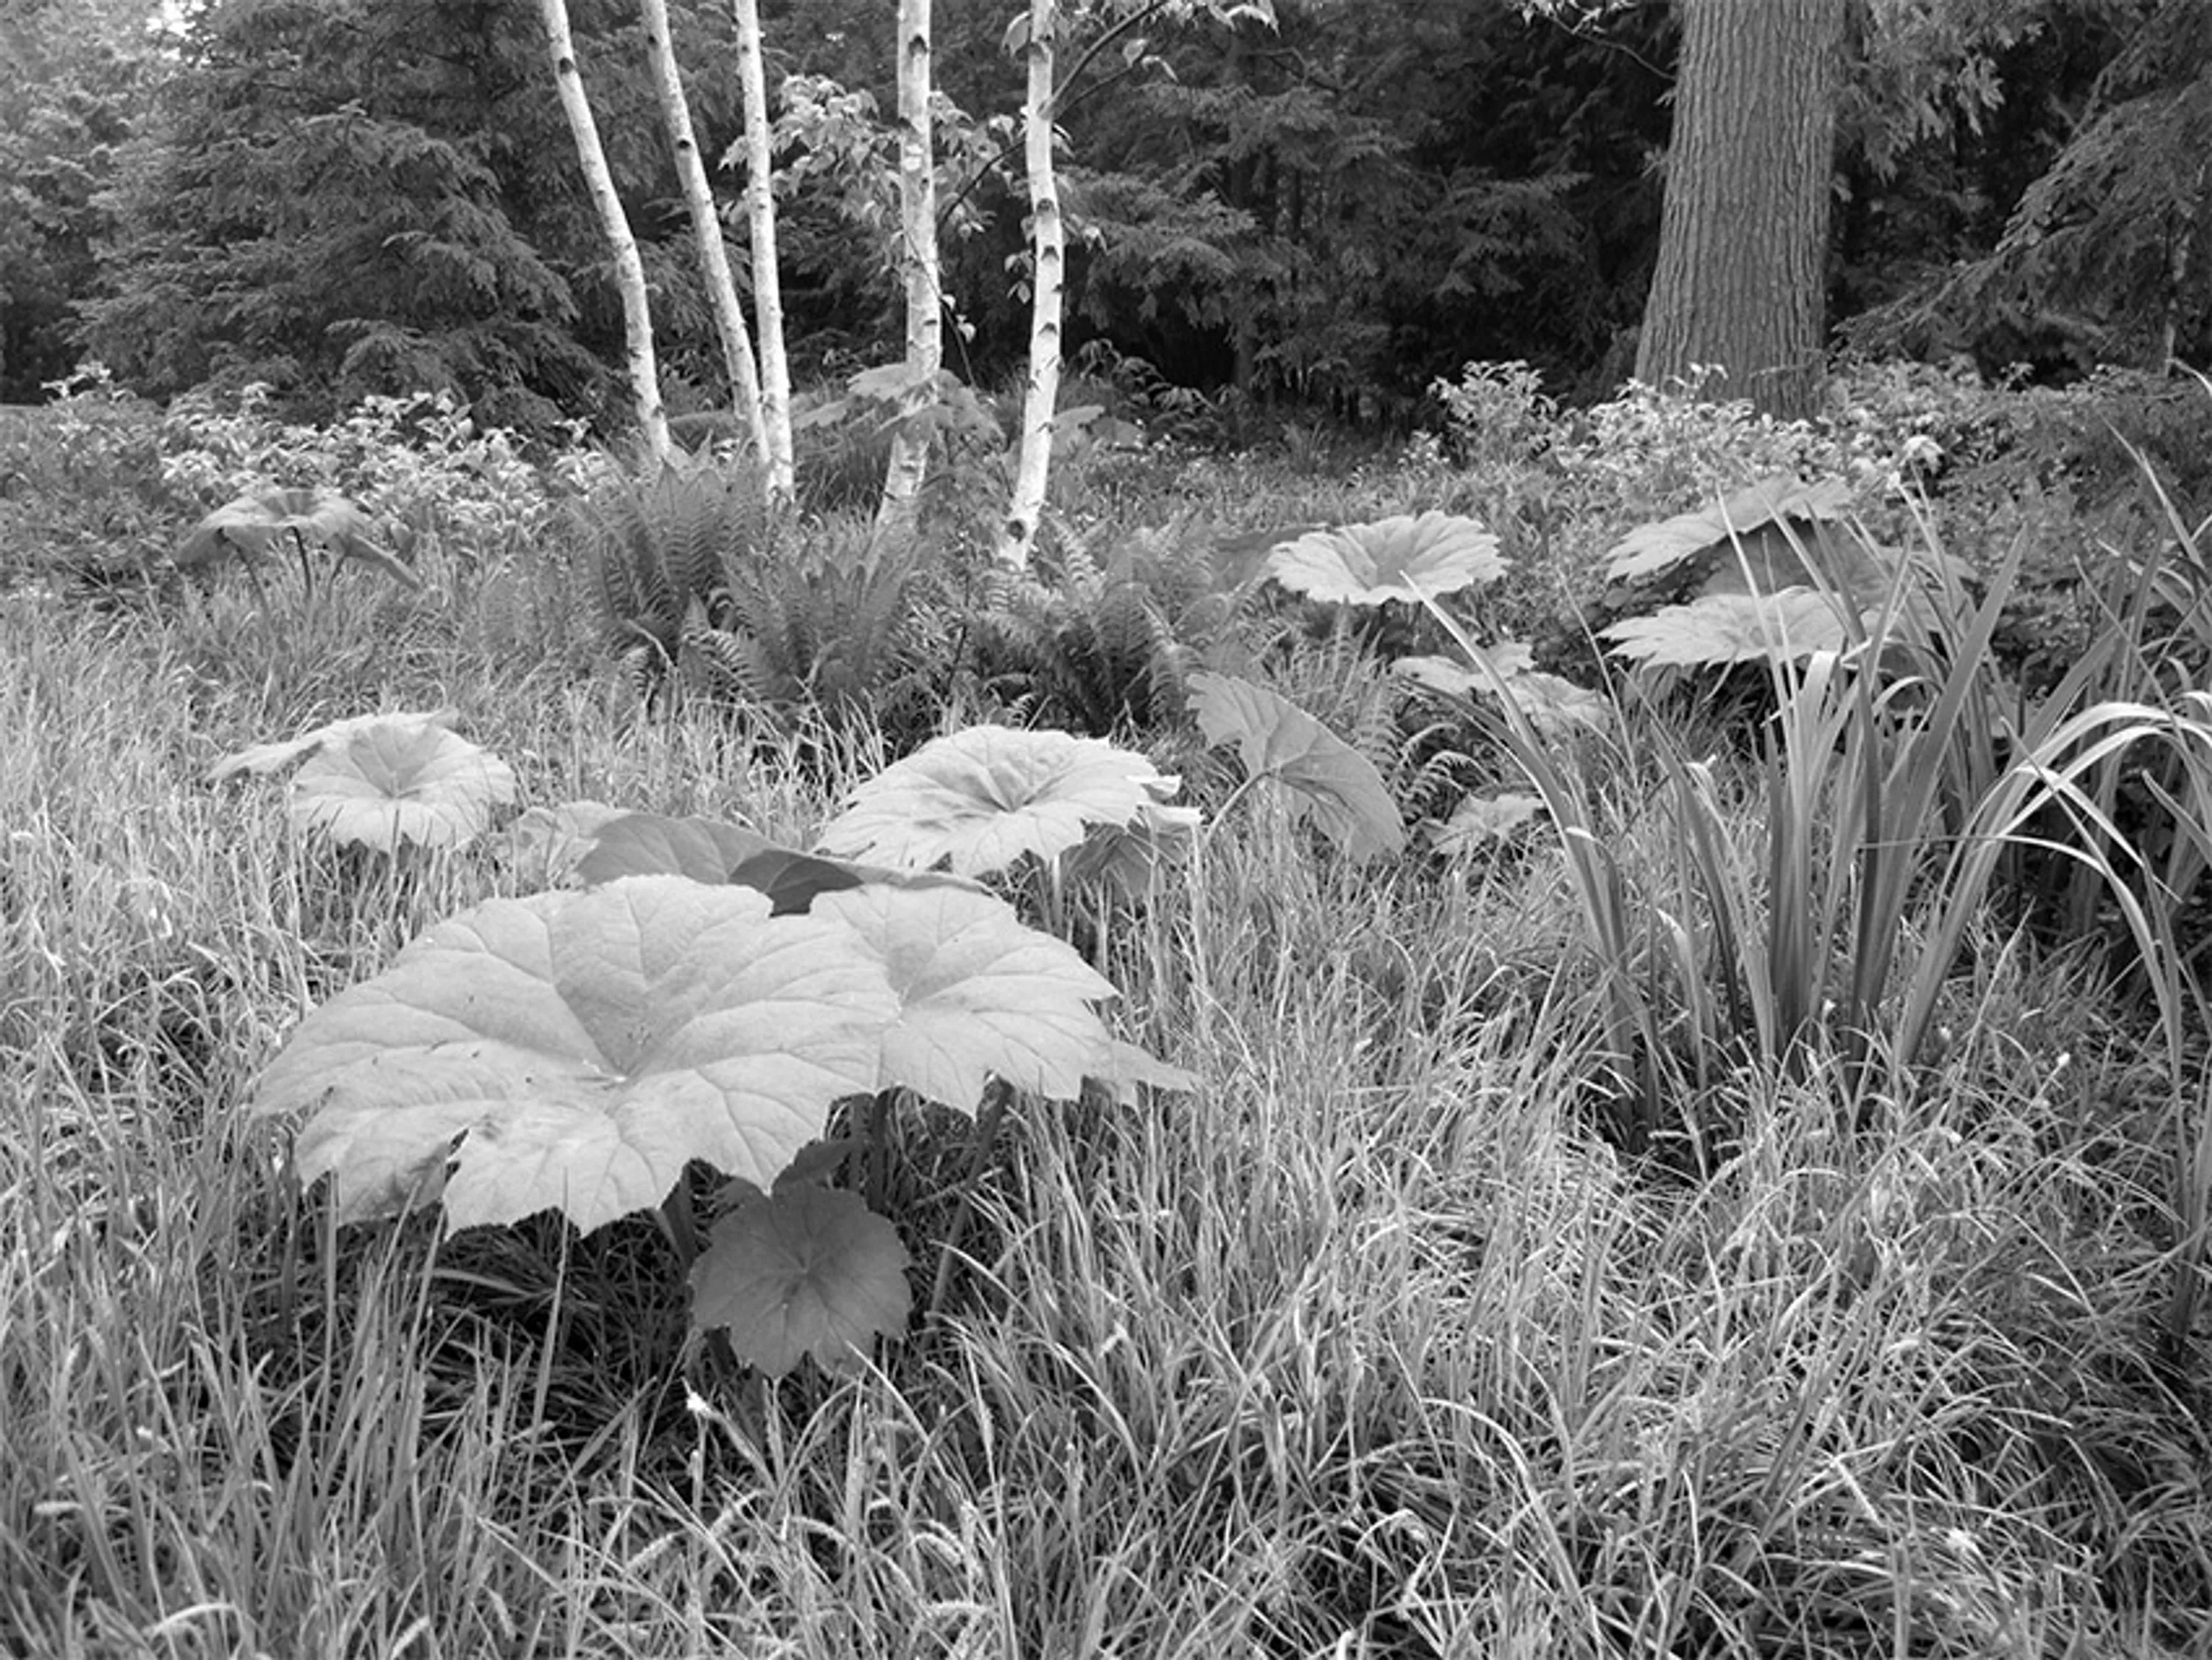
pixel 339 197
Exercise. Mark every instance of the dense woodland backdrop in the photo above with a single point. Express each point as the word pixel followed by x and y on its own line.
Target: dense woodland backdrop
pixel 343 197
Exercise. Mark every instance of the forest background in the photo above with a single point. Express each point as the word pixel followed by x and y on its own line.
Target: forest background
pixel 355 198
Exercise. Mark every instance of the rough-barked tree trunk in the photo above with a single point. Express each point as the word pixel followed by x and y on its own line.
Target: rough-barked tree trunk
pixel 705 226
pixel 1743 241
pixel 1047 252
pixel 629 269
pixel 768 285
pixel 925 328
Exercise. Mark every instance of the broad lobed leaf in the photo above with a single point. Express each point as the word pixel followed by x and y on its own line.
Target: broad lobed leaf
pixel 1652 549
pixel 575 1051
pixel 980 800
pixel 1405 557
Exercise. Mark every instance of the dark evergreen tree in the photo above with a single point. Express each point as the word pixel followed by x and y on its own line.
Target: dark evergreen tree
pixel 341 196
pixel 73 78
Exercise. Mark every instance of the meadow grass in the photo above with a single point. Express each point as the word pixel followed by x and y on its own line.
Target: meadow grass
pixel 1374 1344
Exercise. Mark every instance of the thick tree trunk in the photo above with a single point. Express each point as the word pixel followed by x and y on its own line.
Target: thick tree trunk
pixel 1743 240
pixel 768 286
pixel 629 269
pixel 925 331
pixel 1047 250
pixel 705 226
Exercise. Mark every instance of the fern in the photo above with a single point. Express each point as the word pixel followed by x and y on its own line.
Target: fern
pixel 831 621
pixel 659 545
pixel 1106 644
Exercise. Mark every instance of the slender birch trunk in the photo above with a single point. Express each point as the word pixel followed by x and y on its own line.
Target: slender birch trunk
pixel 1046 247
pixel 705 226
pixel 767 287
pixel 925 329
pixel 629 269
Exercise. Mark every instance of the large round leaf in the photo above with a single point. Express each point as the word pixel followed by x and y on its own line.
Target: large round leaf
pixel 982 799
pixel 980 993
pixel 1725 628
pixel 1504 661
pixel 1402 558
pixel 396 781
pixel 1326 776
pixel 575 1051
pixel 803 1270
pixel 1652 549
pixel 263 758
pixel 250 525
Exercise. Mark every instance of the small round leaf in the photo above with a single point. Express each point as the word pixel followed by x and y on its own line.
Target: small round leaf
pixel 397 781
pixel 803 1270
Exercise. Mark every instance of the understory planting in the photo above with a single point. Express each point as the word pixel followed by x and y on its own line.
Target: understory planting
pixel 1583 1038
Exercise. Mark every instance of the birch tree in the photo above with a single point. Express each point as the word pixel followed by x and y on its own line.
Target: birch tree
pixel 925 322
pixel 1048 250
pixel 768 287
pixel 1032 36
pixel 706 228
pixel 629 269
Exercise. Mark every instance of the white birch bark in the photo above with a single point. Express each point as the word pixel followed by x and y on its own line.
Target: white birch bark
pixel 1046 249
pixel 629 269
pixel 705 226
pixel 768 287
pixel 925 332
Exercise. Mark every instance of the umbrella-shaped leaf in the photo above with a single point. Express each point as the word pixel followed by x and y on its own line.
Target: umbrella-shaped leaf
pixel 981 993
pixel 803 1270
pixel 982 799
pixel 575 1049
pixel 1482 821
pixel 1553 705
pixel 1652 549
pixel 393 783
pixel 1725 628
pixel 1506 659
pixel 1326 777
pixel 265 758
pixel 1402 558
pixel 1556 706
pixel 250 525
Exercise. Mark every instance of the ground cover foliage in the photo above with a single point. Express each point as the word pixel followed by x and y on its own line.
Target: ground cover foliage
pixel 1692 1188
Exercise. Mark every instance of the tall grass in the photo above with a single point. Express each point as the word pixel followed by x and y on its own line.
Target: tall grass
pixel 1381 1343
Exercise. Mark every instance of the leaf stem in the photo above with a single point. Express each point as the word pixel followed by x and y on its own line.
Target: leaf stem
pixel 982 1141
